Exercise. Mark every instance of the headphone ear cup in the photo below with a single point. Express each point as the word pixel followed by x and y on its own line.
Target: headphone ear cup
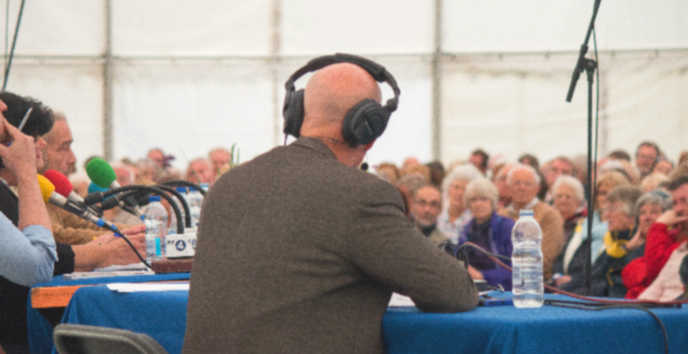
pixel 364 122
pixel 292 111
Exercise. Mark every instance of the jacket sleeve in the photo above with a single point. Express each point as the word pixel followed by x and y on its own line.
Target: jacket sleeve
pixel 71 229
pixel 502 241
pixel 552 226
pixel 658 249
pixel 387 247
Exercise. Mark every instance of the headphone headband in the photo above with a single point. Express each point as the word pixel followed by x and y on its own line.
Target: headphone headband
pixel 377 71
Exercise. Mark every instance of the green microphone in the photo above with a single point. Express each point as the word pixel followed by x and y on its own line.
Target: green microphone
pixel 101 173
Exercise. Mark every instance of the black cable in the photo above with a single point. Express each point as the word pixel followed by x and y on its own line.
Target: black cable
pixel 186 184
pixel 596 307
pixel 182 201
pixel 126 239
pixel 158 191
pixel 14 45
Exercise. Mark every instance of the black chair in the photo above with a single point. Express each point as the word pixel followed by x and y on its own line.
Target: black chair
pixel 84 339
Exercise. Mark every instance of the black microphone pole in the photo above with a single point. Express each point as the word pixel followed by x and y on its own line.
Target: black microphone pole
pixel 93 197
pixel 182 202
pixel 183 183
pixel 589 66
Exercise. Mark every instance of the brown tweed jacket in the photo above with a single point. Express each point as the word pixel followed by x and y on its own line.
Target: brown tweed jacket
pixel 298 253
pixel 552 225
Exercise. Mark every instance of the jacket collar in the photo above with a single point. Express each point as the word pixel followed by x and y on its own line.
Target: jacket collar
pixel 316 145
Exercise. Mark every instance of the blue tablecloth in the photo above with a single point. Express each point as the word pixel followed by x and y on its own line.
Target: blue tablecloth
pixel 549 329
pixel 40 330
pixel 491 329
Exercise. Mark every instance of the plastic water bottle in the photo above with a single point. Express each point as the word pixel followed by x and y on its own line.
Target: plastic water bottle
pixel 526 262
pixel 195 200
pixel 155 219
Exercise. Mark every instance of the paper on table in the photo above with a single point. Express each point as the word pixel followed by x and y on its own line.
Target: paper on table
pixel 155 286
pixel 399 300
pixel 104 274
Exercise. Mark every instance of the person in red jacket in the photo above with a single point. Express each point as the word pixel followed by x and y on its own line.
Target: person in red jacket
pixel 665 235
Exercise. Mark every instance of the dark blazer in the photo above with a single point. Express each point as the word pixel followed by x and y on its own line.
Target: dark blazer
pixel 13 296
pixel 298 253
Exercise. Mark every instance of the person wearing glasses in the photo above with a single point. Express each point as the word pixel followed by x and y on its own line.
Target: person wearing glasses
pixel 426 204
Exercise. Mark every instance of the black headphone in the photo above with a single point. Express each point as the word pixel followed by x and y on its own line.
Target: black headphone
pixel 364 122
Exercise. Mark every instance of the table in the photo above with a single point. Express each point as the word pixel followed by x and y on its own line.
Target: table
pixel 58 293
pixel 492 329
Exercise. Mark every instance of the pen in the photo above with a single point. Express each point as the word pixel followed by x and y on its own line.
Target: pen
pixel 25 118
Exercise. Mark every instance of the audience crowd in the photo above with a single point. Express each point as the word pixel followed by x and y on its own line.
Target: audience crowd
pixel 639 216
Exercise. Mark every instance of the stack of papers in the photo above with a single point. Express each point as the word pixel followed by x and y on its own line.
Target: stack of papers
pixel 152 286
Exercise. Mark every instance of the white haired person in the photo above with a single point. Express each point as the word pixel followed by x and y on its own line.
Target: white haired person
pixel 455 214
pixel 487 229
pixel 524 184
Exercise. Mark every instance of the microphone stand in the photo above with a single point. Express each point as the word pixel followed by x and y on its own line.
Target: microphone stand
pixel 589 66
pixel 182 202
pixel 183 183
pixel 102 195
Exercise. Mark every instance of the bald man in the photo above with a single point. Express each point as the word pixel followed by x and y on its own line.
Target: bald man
pixel 299 251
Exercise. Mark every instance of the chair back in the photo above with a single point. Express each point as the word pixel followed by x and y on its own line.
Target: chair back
pixel 85 339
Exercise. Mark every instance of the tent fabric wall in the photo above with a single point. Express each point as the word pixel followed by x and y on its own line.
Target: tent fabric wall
pixel 189 76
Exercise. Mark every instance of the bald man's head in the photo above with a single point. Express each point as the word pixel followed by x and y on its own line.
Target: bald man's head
pixel 330 93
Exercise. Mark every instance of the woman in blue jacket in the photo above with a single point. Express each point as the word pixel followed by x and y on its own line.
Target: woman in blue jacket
pixel 488 230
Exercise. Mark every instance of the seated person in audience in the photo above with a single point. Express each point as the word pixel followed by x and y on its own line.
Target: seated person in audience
pixel 663 238
pixel 437 172
pixel 480 158
pixel 646 157
pixel 668 285
pixel 558 166
pixel 530 160
pixel 653 181
pixel 426 204
pixel 606 182
pixel 221 160
pixel 28 254
pixel 619 245
pixel 199 171
pixel 104 251
pixel 455 215
pixel 568 198
pixel 488 230
pixel 408 185
pixel 524 184
pixel 500 181
pixel 416 169
pixel 387 171
pixel 663 166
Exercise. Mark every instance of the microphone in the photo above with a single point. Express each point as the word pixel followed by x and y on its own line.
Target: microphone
pixel 64 187
pixel 49 196
pixel 101 173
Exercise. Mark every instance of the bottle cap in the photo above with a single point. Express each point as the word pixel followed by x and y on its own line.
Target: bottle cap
pixel 154 198
pixel 525 212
